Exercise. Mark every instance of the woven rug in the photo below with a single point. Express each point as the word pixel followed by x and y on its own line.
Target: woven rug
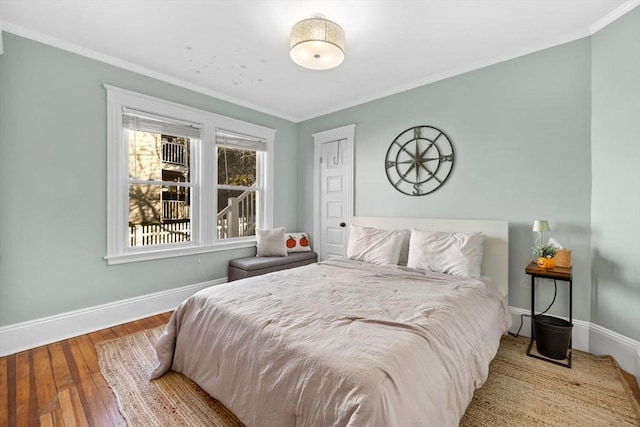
pixel 520 390
pixel 523 391
pixel 171 400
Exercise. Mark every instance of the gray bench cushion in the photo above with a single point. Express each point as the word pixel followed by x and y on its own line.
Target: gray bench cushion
pixel 255 266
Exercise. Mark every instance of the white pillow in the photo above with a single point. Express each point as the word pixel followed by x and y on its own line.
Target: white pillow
pixel 458 254
pixel 373 245
pixel 297 242
pixel 270 242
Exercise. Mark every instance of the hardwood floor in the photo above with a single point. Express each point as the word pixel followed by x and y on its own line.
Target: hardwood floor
pixel 60 384
pixel 633 384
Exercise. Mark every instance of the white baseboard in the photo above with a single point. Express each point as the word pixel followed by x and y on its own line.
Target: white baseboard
pixel 580 333
pixel 625 350
pixel 23 336
pixel 638 364
pixel 591 338
pixel 34 333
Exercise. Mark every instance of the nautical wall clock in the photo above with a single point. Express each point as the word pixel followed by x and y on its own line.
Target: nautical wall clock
pixel 419 160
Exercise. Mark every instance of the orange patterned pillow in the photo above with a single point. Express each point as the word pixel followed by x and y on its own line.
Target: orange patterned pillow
pixel 297 242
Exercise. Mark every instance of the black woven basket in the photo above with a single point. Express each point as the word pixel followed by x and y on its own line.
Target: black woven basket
pixel 552 335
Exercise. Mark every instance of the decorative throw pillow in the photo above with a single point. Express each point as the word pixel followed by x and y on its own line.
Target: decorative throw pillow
pixel 270 242
pixel 458 254
pixel 297 242
pixel 373 245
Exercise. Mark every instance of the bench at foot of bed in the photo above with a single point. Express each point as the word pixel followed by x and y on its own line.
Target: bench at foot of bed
pixel 255 266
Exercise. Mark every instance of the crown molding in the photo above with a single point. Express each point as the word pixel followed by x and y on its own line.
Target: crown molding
pixel 456 71
pixel 609 18
pixel 107 59
pixel 485 62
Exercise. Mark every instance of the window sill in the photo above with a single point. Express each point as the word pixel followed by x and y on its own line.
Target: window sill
pixel 177 252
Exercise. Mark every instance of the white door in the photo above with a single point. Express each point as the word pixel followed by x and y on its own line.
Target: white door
pixel 334 199
pixel 333 194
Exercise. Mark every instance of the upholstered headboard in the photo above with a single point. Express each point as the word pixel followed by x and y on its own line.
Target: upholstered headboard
pixel 495 258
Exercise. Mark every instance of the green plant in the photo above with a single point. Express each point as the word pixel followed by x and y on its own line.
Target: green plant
pixel 546 251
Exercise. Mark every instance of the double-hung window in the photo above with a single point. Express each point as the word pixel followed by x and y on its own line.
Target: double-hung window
pixel 183 181
pixel 241 164
pixel 159 182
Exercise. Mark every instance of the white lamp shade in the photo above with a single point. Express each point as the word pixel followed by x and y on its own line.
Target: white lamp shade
pixel 541 226
pixel 317 43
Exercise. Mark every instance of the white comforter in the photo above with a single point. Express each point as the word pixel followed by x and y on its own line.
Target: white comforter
pixel 339 344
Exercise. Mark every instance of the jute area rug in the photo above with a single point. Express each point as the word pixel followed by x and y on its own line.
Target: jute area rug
pixel 520 390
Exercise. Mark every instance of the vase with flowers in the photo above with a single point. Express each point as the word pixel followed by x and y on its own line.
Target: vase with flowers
pixel 545 254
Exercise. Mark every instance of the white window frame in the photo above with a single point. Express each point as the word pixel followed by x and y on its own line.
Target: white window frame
pixel 203 179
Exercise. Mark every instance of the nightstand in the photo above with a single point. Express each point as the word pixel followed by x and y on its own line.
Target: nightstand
pixel 557 273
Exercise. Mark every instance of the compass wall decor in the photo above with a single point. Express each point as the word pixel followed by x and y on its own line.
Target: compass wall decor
pixel 419 160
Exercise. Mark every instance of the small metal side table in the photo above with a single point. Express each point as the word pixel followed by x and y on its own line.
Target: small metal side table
pixel 557 273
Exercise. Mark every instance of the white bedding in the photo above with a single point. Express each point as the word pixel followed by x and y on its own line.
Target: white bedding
pixel 339 344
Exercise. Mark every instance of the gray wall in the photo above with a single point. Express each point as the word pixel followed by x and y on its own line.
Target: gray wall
pixel 53 184
pixel 521 131
pixel 524 131
pixel 615 148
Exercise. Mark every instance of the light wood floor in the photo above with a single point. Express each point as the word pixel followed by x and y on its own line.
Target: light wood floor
pixel 60 384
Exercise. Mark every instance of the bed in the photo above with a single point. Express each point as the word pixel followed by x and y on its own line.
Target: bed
pixel 348 342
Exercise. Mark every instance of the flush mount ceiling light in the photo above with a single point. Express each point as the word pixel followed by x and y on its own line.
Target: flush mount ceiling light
pixel 317 43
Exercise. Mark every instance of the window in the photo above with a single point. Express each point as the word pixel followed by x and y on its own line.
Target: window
pixel 183 181
pixel 159 178
pixel 239 166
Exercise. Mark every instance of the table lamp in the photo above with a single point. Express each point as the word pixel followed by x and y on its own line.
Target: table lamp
pixel 540 226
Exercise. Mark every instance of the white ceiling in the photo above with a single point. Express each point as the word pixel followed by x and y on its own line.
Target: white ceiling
pixel 238 50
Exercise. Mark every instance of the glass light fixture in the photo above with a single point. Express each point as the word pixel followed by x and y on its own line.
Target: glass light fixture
pixel 317 43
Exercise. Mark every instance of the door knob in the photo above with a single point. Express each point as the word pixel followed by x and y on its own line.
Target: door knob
pixel 342 224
